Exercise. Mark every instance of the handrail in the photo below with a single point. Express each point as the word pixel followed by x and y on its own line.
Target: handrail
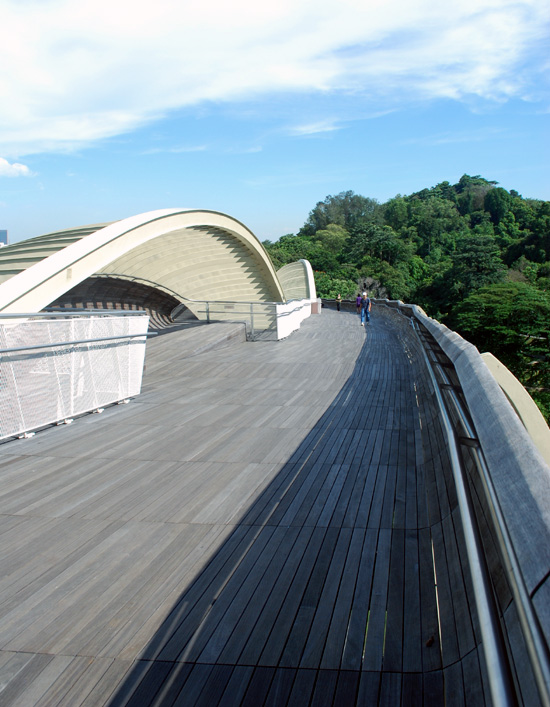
pixel 245 312
pixel 535 641
pixel 56 344
pixel 60 314
pixel 500 682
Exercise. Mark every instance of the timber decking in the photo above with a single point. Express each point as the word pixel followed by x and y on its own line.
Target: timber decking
pixel 259 527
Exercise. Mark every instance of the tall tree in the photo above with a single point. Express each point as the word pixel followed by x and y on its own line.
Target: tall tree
pixel 345 209
pixel 476 262
pixel 497 203
pixel 512 321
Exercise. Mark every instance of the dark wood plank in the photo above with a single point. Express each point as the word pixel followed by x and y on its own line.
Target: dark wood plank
pixel 347 687
pixel 301 627
pixel 324 610
pixel 473 686
pixel 287 616
pixel 369 689
pixel 214 686
pixel 173 685
pixel 412 610
pixel 302 689
pixel 197 599
pixel 374 642
pixel 211 631
pixel 352 657
pixel 393 640
pixel 281 687
pixel 194 685
pixel 150 684
pixel 325 687
pixel 238 622
pixel 454 685
pixel 434 690
pixel 461 606
pixel 449 641
pixel 237 686
pixel 431 651
pixel 252 649
pixel 412 693
pixel 388 508
pixel 258 687
pixel 390 689
pixel 340 619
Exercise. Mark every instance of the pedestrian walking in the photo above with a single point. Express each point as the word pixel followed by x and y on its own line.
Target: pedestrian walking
pixel 338 302
pixel 358 303
pixel 365 309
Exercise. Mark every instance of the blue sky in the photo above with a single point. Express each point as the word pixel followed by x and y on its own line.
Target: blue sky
pixel 110 109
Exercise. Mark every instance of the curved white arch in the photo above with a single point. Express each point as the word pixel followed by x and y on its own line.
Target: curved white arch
pixel 297 280
pixel 33 289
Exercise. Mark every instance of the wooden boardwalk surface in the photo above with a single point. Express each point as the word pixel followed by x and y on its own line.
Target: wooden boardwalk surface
pixel 259 527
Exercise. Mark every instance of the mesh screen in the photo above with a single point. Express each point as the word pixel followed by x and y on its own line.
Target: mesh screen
pixel 41 386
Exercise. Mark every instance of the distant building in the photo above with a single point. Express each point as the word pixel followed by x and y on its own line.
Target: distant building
pixel 3 238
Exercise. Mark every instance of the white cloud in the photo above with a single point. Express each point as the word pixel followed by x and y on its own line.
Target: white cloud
pixel 75 72
pixel 175 150
pixel 454 137
pixel 321 126
pixel 14 170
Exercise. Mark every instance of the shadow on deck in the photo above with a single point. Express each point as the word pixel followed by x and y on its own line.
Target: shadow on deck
pixel 268 524
pixel 346 581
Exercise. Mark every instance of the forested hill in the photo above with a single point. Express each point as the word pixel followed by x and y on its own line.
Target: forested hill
pixel 473 255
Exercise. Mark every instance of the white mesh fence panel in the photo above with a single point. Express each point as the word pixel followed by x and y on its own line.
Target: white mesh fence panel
pixel 44 385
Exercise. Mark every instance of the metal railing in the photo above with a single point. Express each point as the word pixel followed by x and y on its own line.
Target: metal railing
pixel 262 320
pixel 57 365
pixel 471 468
pixel 498 670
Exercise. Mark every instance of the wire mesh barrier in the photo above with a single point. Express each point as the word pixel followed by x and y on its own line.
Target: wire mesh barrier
pixel 55 367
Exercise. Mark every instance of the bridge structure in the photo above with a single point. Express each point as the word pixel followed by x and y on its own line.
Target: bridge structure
pixel 348 516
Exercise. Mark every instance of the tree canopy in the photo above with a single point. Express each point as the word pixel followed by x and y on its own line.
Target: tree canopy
pixel 448 248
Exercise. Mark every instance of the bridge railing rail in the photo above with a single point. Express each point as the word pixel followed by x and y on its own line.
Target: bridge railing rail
pixel 507 489
pixel 263 320
pixel 58 365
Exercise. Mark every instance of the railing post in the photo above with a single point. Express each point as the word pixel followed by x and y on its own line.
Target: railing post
pixel 252 321
pixel 208 312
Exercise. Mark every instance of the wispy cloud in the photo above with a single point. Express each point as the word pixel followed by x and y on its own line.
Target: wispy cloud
pixel 321 126
pixel 77 72
pixel 452 138
pixel 14 169
pixel 175 150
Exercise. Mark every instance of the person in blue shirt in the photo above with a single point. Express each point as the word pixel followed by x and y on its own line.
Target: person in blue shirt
pixel 365 309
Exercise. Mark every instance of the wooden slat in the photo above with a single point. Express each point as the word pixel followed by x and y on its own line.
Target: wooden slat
pixel 256 528
pixel 374 643
pixel 412 609
pixel 393 640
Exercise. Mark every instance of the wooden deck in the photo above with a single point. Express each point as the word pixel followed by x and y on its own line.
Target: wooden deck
pixel 259 527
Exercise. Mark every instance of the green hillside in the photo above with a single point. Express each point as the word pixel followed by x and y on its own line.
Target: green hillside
pixel 473 255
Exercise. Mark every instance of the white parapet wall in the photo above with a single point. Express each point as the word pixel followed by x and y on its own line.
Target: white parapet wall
pixel 290 315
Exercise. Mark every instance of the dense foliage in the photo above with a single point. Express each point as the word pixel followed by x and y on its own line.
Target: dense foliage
pixel 473 255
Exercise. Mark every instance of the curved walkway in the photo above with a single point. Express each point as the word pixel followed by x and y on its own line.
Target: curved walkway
pixel 260 526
